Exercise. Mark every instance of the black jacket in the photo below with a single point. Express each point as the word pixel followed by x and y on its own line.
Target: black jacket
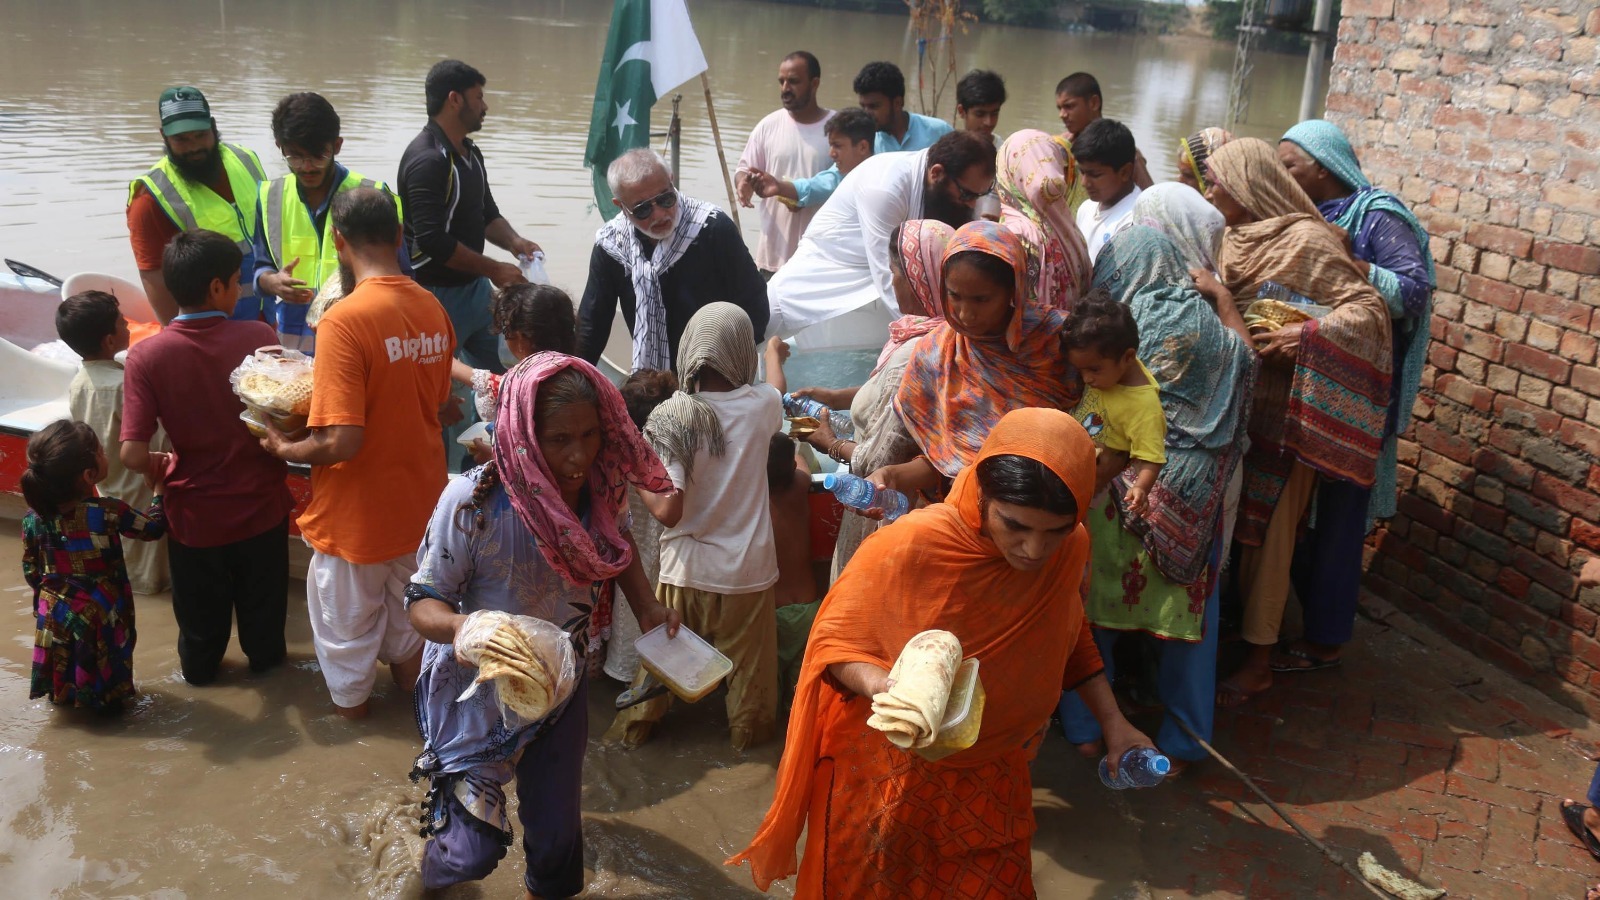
pixel 446 200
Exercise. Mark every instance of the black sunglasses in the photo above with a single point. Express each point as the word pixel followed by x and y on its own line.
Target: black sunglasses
pixel 666 200
pixel 971 196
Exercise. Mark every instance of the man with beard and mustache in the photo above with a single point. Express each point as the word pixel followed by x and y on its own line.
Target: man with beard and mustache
pixel 201 183
pixel 377 465
pixel 662 258
pixel 789 143
pixel 842 265
pixel 450 213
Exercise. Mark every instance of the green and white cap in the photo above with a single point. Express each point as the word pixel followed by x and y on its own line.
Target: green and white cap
pixel 184 109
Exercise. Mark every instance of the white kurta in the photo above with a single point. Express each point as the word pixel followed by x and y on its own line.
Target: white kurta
pixel 784 148
pixel 842 264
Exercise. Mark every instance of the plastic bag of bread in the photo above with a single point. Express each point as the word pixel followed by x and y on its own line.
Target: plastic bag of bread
pixel 529 663
pixel 332 292
pixel 275 383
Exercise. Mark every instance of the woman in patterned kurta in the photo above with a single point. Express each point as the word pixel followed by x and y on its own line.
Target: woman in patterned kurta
pixel 540 531
pixel 72 558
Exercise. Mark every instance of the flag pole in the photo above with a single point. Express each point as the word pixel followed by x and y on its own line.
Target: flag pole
pixel 716 135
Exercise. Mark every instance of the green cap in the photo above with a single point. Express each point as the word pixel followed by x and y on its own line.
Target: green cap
pixel 184 109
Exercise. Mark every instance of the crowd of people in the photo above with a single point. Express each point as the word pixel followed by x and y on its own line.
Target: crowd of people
pixel 1100 444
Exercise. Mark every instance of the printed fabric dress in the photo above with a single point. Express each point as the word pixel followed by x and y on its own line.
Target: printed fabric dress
pixel 83 603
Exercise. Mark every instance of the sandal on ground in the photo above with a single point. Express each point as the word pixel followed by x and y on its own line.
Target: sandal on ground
pixel 1572 814
pixel 1311 663
pixel 1231 696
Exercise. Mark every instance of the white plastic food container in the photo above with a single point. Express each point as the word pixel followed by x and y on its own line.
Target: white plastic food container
pixel 686 664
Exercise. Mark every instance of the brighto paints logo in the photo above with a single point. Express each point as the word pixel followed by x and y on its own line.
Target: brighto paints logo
pixel 424 348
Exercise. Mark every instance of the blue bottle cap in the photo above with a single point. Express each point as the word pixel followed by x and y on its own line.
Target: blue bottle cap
pixel 829 480
pixel 1161 765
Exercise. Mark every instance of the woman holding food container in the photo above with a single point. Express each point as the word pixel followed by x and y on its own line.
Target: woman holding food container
pixel 997 566
pixel 1322 395
pixel 540 531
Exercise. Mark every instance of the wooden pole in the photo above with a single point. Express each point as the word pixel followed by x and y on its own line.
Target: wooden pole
pixel 722 159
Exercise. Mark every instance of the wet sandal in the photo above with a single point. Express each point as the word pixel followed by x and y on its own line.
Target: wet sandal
pixel 1312 663
pixel 1572 814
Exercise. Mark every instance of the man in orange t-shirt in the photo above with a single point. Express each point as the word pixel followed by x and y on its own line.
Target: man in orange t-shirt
pixel 382 376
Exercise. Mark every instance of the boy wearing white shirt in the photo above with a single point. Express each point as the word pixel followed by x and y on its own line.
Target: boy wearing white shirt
pixel 1105 153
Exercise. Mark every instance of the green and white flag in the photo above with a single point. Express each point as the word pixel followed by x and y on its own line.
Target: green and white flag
pixel 651 50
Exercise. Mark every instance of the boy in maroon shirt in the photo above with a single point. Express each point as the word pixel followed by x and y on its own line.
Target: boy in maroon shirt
pixel 227 504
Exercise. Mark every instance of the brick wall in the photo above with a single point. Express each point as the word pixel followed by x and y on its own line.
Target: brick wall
pixel 1484 115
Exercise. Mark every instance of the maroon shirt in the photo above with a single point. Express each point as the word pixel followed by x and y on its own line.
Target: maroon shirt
pixel 225 487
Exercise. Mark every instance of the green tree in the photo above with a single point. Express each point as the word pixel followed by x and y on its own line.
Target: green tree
pixel 1020 12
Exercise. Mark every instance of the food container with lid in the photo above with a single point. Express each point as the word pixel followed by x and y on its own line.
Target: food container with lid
pixel 252 422
pixel 963 715
pixel 686 664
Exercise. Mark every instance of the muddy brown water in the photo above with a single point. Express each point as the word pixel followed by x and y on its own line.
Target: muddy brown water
pixel 253 788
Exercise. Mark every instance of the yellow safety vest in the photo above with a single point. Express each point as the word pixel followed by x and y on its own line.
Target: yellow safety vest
pixel 290 233
pixel 193 205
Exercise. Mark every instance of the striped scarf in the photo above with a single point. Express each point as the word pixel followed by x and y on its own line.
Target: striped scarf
pixel 623 243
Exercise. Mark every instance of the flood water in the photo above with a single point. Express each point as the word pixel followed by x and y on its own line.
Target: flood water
pixel 253 788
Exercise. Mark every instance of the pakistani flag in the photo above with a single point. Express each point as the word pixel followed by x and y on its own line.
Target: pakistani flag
pixel 651 50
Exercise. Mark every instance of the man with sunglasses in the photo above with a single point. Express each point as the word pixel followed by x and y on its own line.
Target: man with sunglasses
pixel 294 233
pixel 662 258
pixel 842 266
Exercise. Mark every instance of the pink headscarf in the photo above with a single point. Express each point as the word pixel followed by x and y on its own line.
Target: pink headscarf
pixel 581 555
pixel 1038 186
pixel 922 243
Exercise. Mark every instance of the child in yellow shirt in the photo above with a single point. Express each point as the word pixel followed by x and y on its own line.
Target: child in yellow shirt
pixel 1121 406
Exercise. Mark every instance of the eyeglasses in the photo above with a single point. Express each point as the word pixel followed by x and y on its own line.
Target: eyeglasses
pixel 666 200
pixel 972 196
pixel 301 162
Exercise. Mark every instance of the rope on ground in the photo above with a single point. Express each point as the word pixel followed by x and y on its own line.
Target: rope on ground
pixel 1329 852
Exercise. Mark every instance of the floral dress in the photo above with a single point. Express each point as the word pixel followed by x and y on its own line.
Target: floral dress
pixel 83 603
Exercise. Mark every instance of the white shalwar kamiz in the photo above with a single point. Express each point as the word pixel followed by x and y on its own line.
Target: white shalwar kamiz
pixel 842 264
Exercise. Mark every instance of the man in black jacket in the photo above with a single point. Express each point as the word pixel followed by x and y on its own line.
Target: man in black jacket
pixel 450 212
pixel 662 258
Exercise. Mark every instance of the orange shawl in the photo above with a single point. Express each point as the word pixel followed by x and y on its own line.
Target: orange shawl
pixel 934 569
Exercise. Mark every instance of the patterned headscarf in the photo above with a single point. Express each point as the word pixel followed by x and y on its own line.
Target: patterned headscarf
pixel 1194 150
pixel 1179 212
pixel 1205 372
pixel 1038 185
pixel 957 387
pixel 922 244
pixel 1326 144
pixel 720 338
pixel 580 554
pixel 1252 174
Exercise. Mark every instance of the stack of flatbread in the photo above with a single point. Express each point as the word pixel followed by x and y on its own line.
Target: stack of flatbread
pixel 332 292
pixel 910 712
pixel 531 671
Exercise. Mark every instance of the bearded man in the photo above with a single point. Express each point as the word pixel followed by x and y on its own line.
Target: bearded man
pixel 201 183
pixel 662 258
pixel 840 275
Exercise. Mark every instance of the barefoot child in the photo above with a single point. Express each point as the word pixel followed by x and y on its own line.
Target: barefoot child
pixel 83 646
pixel 1121 405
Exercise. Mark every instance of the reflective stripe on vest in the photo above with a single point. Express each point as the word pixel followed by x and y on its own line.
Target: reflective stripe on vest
pixel 289 228
pixel 192 205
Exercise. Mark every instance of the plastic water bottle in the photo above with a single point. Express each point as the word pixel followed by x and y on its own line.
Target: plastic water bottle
pixel 858 493
pixel 839 421
pixel 1271 290
pixel 1141 767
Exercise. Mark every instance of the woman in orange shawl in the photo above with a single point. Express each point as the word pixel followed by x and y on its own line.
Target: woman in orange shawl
pixel 998 565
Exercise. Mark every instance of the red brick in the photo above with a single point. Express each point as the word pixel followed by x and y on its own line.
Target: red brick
pixel 1495 293
pixel 1586 379
pixel 1574 500
pixel 1477 757
pixel 1490 793
pixel 1513 582
pixel 1420 735
pixel 1512 471
pixel 1441 357
pixel 1557 310
pixel 1584 437
pixel 1586 535
pixel 1548 366
pixel 1572 257
pixel 1579 617
pixel 1563 852
pixel 1465 392
pixel 1375 9
pixel 1511 835
pixel 1457 853
pixel 1510 241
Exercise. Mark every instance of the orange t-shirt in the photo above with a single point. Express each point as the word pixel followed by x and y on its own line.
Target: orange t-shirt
pixel 383 363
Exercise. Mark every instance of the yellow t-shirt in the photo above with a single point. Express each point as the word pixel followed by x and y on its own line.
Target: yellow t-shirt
pixel 1127 419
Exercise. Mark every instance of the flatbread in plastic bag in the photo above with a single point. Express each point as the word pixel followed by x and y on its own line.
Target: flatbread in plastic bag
pixel 275 381
pixel 529 663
